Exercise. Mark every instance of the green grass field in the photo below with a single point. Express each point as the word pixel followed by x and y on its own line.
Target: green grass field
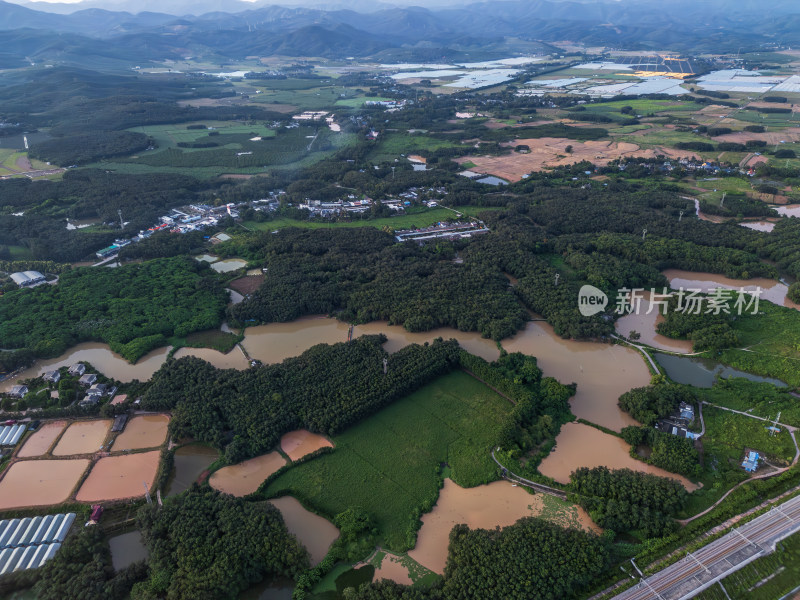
pixel 728 434
pixel 772 340
pixel 413 218
pixel 169 136
pixel 640 107
pixel 389 464
pixel 392 145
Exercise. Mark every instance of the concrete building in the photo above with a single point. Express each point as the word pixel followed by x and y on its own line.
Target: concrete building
pixel 87 379
pixel 52 376
pixel 750 463
pixel 18 391
pixel 77 369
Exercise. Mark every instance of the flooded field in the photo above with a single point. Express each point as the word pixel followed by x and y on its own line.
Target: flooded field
pixel 244 478
pixel 579 445
pixel 400 338
pixel 645 324
pixel 40 482
pixel 789 210
pixel 486 507
pixel 126 549
pixel 118 477
pixel 41 440
pixel 765 226
pixel 314 532
pixel 228 265
pixel 232 360
pixel 392 568
pixel 703 372
pixel 83 437
pixel 102 358
pixel 277 341
pixel 296 444
pixel 771 290
pixel 188 463
pixel 603 372
pixel 144 431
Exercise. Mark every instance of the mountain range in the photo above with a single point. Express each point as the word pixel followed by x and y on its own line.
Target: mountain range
pixel 245 29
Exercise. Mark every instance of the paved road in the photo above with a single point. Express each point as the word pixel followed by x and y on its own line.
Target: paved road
pixel 703 568
pixel 544 489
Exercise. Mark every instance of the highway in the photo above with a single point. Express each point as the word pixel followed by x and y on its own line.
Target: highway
pixel 703 568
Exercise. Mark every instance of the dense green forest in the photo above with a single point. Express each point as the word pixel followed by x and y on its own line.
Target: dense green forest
pixel 648 404
pixel 325 390
pixel 626 501
pixel 134 308
pixel 667 451
pixel 206 546
pixel 530 559
pixel 362 275
pixel 88 147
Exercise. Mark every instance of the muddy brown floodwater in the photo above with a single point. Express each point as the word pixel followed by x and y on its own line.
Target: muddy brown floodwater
pixel 144 431
pixel 102 358
pixel 486 507
pixel 232 360
pixel 83 437
pixel 580 445
pixel 118 477
pixel 771 290
pixel 603 372
pixel 296 444
pixel 277 341
pixel 314 532
pixel 645 324
pixel 41 440
pixel 244 478
pixel 40 482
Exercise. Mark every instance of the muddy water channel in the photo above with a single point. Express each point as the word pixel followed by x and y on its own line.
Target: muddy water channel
pixel 244 478
pixel 603 372
pixel 126 549
pixel 644 321
pixel 297 444
pixel 771 290
pixel 579 445
pixel 189 462
pixel 232 360
pixel 487 506
pixel 277 341
pixel 314 532
pixel 102 358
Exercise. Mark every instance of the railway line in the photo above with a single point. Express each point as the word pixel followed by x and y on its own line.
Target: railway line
pixel 703 568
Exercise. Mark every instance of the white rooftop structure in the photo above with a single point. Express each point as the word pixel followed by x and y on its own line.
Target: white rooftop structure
pixel 29 543
pixel 26 278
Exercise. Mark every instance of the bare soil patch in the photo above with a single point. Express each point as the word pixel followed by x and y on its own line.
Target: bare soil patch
pixel 550 152
pixel 246 285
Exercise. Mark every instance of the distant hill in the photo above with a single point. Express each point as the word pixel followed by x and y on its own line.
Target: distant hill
pixel 698 25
